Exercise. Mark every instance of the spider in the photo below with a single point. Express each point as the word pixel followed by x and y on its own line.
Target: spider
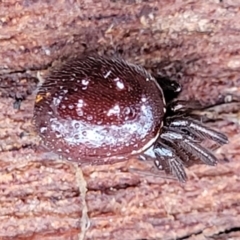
pixel 99 110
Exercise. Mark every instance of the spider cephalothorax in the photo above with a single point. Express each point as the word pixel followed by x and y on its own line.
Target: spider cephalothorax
pixel 180 139
pixel 97 110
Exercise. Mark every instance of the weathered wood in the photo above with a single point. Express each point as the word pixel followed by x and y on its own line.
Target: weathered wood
pixel 39 194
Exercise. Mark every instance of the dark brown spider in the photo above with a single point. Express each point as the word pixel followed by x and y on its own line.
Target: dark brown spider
pixel 96 110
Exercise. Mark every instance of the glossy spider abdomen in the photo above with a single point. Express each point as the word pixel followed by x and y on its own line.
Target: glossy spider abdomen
pixel 97 110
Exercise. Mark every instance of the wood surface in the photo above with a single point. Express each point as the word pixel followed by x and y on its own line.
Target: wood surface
pixel 43 197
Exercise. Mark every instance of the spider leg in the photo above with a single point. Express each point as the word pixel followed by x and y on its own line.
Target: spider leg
pixel 197 129
pixel 180 152
pixel 168 160
pixel 200 152
pixel 189 146
pixel 181 106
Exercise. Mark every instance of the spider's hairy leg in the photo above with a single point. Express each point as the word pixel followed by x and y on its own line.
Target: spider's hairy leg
pixel 168 160
pixel 200 152
pixel 199 130
pixel 181 106
pixel 189 146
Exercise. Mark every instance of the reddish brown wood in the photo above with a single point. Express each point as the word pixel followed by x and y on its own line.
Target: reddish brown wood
pixel 39 194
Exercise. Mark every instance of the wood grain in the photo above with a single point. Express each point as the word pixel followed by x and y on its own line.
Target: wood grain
pixel 196 42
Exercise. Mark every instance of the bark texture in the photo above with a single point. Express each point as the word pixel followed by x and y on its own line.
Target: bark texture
pixel 41 197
